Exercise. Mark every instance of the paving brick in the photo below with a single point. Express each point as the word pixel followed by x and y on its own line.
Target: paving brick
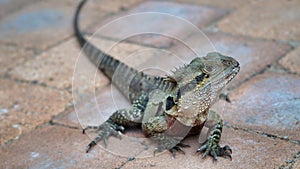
pixel 12 57
pixel 25 106
pixel 95 109
pixel 249 151
pixel 44 23
pixel 9 6
pixel 114 5
pixel 271 19
pixel 227 4
pixel 253 55
pixel 144 29
pixel 56 147
pixel 55 68
pixel 132 54
pixel 267 103
pixel 292 61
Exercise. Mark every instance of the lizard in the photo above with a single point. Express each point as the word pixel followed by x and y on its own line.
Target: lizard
pixel 166 108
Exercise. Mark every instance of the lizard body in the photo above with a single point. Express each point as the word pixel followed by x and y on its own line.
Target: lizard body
pixel 167 107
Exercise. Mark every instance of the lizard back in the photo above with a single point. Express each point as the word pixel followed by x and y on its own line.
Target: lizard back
pixel 130 81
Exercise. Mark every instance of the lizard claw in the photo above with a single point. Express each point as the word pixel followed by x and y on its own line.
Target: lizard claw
pixel 106 130
pixel 173 150
pixel 213 149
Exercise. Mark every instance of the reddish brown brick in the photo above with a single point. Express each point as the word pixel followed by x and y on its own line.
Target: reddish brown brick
pixel 292 61
pixel 253 55
pixel 56 147
pixel 12 57
pixel 226 4
pixel 132 54
pixel 44 23
pixel 56 68
pixel 95 109
pixel 25 106
pixel 200 16
pixel 249 151
pixel 268 103
pixel 9 6
pixel 271 19
pixel 114 5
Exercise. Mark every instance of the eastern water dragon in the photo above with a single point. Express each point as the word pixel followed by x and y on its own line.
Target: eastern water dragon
pixel 166 108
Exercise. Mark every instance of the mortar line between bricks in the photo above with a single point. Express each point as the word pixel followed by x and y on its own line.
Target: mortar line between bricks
pixel 51 123
pixel 279 41
pixel 297 142
pixel 127 161
pixel 132 158
pixel 71 107
pixel 56 44
pixel 279 66
pixel 266 68
pixel 217 20
pixel 126 41
pixel 36 51
pixel 32 82
pixel 289 164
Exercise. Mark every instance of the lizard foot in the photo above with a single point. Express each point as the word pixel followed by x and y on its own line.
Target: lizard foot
pixel 214 149
pixel 105 130
pixel 178 148
pixel 172 144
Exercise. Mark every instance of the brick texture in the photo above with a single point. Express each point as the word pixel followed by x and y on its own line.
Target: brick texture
pixel 44 23
pixel 56 147
pixel 271 20
pixel 226 4
pixel 249 151
pixel 25 106
pixel 253 55
pixel 292 61
pixel 12 57
pixel 144 30
pixel 268 103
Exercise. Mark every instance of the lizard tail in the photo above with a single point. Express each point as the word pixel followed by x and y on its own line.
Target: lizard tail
pixel 106 63
pixel 82 41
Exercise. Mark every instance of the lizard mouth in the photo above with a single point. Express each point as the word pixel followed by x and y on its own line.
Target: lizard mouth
pixel 232 74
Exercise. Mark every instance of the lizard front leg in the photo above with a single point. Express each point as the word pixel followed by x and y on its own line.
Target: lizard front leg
pixel 211 145
pixel 114 125
pixel 164 130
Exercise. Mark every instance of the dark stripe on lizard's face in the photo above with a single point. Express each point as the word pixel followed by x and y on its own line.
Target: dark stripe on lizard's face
pixel 169 103
pixel 200 78
pixel 193 83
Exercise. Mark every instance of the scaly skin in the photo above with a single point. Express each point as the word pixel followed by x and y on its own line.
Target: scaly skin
pixel 167 107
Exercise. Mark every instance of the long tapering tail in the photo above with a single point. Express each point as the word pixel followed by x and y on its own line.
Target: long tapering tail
pixel 106 63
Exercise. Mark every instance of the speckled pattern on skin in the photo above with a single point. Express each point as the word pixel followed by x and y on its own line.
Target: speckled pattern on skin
pixel 167 107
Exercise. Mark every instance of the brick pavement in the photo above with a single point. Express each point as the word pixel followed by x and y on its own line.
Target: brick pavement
pixel 39 127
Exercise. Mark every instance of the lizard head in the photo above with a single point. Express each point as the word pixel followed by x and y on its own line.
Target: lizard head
pixel 214 69
pixel 199 84
pixel 217 69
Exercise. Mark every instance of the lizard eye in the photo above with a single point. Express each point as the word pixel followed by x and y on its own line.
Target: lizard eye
pixel 227 62
pixel 208 69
